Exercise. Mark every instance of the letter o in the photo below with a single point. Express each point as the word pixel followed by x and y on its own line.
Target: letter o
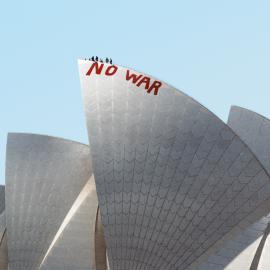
pixel 111 70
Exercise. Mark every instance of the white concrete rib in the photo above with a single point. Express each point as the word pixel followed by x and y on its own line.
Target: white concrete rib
pixel 73 245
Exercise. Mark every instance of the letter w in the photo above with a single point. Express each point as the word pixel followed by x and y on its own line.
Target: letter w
pixel 97 68
pixel 133 77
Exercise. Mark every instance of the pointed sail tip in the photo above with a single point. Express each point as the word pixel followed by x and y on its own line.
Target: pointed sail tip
pixel 81 60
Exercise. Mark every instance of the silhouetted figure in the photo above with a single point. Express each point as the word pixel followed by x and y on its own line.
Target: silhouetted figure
pixel 96 58
pixel 110 61
pixel 101 60
pixel 93 58
pixel 107 60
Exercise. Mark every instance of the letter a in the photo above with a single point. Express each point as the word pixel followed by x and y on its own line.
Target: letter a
pixel 146 81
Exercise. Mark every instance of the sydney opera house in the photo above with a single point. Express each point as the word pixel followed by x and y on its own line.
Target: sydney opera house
pixel 163 184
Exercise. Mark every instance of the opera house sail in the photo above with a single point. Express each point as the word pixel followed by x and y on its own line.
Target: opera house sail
pixel 173 181
pixel 44 176
pixel 164 184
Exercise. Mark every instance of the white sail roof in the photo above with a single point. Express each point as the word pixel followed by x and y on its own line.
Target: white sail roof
pixel 44 176
pixel 174 182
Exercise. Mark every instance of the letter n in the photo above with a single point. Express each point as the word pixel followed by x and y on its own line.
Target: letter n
pixel 98 68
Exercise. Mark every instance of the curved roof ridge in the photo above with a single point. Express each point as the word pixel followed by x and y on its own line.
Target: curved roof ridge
pixel 46 136
pixel 194 100
pixel 249 110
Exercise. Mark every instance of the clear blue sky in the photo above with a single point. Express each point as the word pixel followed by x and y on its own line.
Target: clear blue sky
pixel 216 51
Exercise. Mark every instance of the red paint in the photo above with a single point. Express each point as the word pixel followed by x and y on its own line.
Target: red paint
pixel 98 68
pixel 111 70
pixel 140 79
pixel 134 77
pixel 146 81
pixel 137 79
pixel 155 86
